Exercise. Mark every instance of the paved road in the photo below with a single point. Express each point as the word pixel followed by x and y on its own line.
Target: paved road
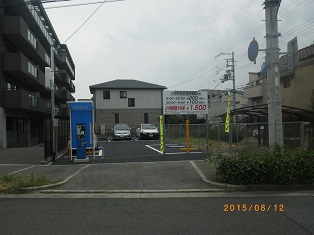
pixel 90 214
pixel 171 197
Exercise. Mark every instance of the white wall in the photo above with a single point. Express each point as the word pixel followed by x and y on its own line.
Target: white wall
pixel 143 99
pixel 3 129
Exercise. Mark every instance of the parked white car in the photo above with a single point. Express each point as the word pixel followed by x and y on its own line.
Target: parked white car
pixel 147 131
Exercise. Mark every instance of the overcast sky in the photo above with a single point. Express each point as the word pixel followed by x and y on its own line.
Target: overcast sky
pixel 173 43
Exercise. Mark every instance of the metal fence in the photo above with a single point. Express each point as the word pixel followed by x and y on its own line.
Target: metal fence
pixel 62 137
pixel 296 135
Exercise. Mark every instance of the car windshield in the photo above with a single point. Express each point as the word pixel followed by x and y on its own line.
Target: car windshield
pixel 121 127
pixel 148 126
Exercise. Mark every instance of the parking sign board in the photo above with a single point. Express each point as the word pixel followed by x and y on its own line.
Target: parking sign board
pixel 185 102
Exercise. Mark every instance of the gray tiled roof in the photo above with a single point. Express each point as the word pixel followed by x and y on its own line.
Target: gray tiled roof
pixel 125 84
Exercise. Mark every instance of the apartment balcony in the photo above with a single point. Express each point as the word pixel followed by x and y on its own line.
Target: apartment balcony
pixel 64 111
pixel 67 82
pixel 17 32
pixel 65 61
pixel 21 69
pixel 24 100
pixel 253 91
pixel 65 94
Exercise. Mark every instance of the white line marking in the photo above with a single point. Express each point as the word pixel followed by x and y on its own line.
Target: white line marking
pixel 153 149
pixel 150 146
pixel 21 170
pixel 75 173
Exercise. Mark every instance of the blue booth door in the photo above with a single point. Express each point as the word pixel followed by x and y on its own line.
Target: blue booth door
pixel 80 141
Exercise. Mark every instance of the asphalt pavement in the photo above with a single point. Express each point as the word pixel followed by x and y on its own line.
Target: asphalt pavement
pixel 126 166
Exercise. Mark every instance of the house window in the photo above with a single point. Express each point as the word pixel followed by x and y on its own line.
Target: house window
pixel 286 82
pixel 116 118
pixel 106 95
pixel 145 117
pixel 131 102
pixel 122 94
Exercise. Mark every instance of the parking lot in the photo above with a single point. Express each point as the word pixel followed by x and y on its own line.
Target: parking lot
pixel 122 151
pixel 126 165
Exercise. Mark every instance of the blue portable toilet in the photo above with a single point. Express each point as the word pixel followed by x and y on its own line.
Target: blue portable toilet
pixel 82 135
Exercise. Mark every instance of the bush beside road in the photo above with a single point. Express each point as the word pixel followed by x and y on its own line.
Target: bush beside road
pixel 254 165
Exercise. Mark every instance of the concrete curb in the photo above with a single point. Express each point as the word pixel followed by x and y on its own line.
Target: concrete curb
pixel 137 191
pixel 30 189
pixel 216 184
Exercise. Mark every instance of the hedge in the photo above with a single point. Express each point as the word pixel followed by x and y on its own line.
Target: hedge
pixel 257 166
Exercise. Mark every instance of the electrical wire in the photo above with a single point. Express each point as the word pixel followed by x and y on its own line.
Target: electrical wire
pixel 82 4
pixel 84 22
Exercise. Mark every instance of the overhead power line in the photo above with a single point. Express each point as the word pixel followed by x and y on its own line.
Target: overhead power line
pixel 84 22
pixel 81 4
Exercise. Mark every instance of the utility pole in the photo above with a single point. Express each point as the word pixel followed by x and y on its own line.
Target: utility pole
pixel 53 120
pixel 275 127
pixel 230 75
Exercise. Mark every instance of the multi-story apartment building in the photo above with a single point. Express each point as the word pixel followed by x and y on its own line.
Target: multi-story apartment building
pixel 27 41
pixel 296 84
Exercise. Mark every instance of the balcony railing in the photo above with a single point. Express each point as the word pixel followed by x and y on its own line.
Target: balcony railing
pixel 24 100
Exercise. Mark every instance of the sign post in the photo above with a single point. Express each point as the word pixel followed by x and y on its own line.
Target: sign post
pixel 184 103
pixel 161 128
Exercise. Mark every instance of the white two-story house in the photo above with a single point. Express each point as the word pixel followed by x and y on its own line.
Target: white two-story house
pixel 125 101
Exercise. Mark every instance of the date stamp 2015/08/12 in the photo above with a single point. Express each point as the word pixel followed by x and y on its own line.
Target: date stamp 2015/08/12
pixel 253 207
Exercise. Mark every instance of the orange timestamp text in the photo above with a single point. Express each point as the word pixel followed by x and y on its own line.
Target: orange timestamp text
pixel 253 207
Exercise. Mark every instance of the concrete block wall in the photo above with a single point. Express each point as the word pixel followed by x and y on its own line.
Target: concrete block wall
pixel 131 117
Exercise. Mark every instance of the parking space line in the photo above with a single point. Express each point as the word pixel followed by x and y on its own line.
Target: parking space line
pixel 75 173
pixel 21 170
pixel 150 146
pixel 153 149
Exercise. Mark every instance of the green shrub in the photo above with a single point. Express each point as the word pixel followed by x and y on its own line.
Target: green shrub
pixel 254 165
pixel 15 184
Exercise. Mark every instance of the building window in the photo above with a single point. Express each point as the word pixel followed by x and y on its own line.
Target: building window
pixel 122 94
pixel 11 86
pixel 116 118
pixel 145 117
pixel 106 95
pixel 32 69
pixel 131 102
pixel 32 101
pixel 47 58
pixel 31 38
pixel 21 125
pixel 286 82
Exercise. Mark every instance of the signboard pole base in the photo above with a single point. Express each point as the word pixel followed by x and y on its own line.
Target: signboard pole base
pixel 187 131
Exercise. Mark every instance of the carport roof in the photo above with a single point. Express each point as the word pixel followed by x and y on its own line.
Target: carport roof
pixel 262 111
pixel 125 84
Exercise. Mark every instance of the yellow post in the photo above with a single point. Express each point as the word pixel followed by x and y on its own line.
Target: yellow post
pixel 187 131
pixel 161 127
